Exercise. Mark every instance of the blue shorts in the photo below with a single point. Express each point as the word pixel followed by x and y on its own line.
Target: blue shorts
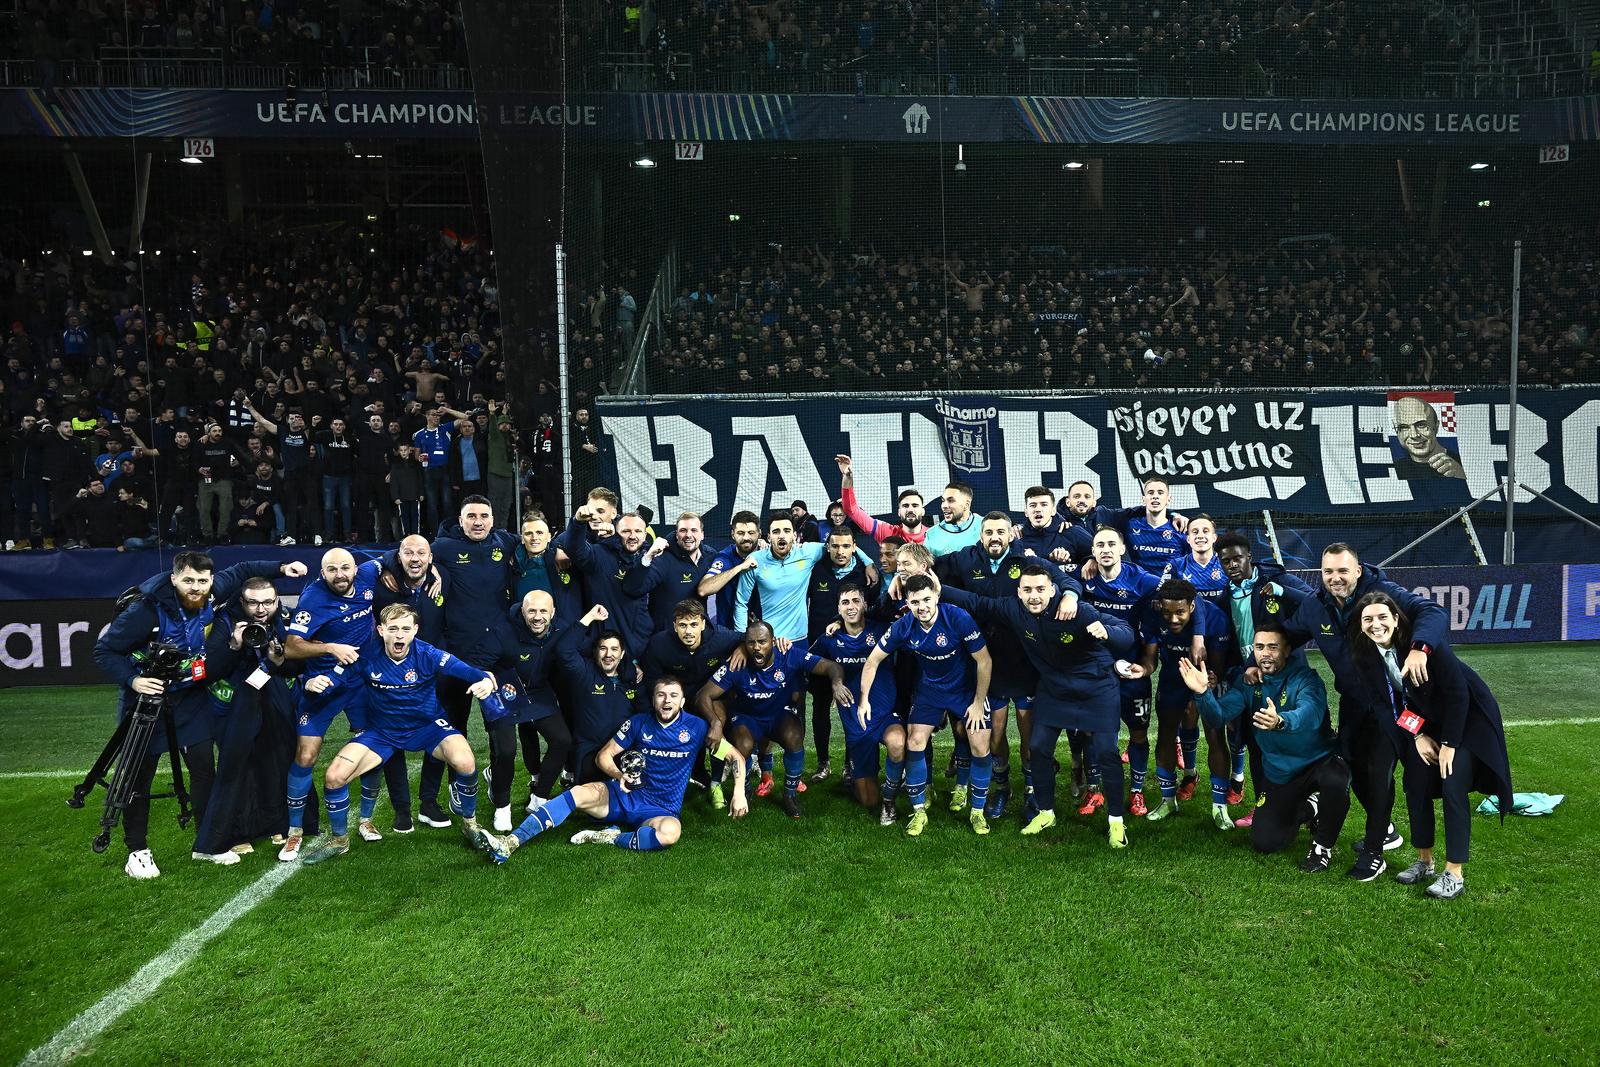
pixel 1022 704
pixel 1136 710
pixel 423 738
pixel 930 715
pixel 1172 702
pixel 317 711
pixel 633 809
pixel 760 727
pixel 861 746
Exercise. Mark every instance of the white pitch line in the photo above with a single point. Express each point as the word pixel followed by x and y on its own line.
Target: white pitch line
pixel 70 1040
pixel 1551 722
pixel 41 774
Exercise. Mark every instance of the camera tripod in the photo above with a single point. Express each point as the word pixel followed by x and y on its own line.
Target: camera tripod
pixel 127 747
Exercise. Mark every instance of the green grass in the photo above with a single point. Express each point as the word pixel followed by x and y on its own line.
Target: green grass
pixel 827 941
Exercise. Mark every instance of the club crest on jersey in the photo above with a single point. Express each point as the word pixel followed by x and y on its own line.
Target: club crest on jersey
pixel 683 737
pixel 411 676
pixel 1123 593
pixel 872 639
pixel 940 640
pixel 566 577
pixel 1166 535
pixel 1272 606
pixel 367 594
pixel 497 555
pixel 630 693
pixel 1015 571
pixel 777 676
pixel 1066 639
pixel 438 601
pixel 508 692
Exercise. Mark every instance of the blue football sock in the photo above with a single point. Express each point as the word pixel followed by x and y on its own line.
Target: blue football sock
pixel 1138 763
pixel 1238 765
pixel 794 765
pixel 963 761
pixel 1189 739
pixel 1027 776
pixel 554 812
pixel 299 788
pixel 1169 783
pixel 917 779
pixel 894 775
pixel 643 839
pixel 982 769
pixel 339 811
pixel 1219 789
pixel 465 788
pixel 371 786
pixel 766 763
pixel 927 761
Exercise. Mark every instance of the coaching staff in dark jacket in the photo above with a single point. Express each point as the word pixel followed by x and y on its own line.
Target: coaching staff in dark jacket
pixel 1363 724
pixel 179 609
pixel 1446 730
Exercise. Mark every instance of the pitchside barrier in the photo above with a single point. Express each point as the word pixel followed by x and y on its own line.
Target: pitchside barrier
pixel 57 603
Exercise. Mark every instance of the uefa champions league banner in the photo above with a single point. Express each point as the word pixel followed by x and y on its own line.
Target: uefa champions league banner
pixel 719 117
pixel 1366 453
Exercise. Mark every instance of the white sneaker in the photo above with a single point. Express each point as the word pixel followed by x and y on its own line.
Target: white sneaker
pixel 290 852
pixel 502 820
pixel 606 836
pixel 11 545
pixel 141 865
pixel 285 541
pixel 221 859
pixel 317 540
pixel 368 830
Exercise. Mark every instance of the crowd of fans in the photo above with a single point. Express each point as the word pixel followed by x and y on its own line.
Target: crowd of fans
pixel 1326 46
pixel 307 35
pixel 263 388
pixel 1183 46
pixel 1325 312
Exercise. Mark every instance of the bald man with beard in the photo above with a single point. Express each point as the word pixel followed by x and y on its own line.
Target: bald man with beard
pixel 531 638
pixel 1416 427
pixel 332 620
pixel 409 577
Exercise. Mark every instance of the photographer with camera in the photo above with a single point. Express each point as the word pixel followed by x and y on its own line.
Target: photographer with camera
pixel 156 648
pixel 255 726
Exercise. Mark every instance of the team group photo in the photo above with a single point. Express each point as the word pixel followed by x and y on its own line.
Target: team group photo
pixel 692 531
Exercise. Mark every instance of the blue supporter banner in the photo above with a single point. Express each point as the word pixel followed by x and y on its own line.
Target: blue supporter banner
pixel 722 117
pixel 1353 455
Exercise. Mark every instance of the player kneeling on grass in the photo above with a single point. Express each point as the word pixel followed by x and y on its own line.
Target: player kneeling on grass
pixel 1305 781
pixel 403 715
pixel 647 767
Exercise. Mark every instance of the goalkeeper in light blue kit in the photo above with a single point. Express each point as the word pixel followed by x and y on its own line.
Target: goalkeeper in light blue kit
pixel 647 764
pixel 403 715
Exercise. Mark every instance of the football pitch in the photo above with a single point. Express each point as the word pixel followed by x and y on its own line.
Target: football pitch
pixel 831 940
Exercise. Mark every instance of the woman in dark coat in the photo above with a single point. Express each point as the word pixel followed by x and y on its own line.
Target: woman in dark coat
pixel 1447 731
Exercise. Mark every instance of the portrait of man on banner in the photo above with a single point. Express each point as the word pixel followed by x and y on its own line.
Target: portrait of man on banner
pixel 1424 443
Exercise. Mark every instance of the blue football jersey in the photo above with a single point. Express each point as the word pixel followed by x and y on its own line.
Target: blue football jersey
pixel 322 616
pixel 400 695
pixel 944 651
pixel 669 750
pixel 850 653
pixel 764 692
pixel 1207 578
pixel 1209 622
pixel 1124 597
pixel 1152 547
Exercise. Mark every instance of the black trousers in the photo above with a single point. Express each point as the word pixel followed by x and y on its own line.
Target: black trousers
pixel 1370 752
pixel 503 738
pixel 821 715
pixel 201 760
pixel 457 704
pixel 1102 752
pixel 302 504
pixel 1282 807
pixel 1423 785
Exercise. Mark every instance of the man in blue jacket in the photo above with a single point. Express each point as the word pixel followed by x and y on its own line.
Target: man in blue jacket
pixel 1304 778
pixel 475 558
pixel 605 564
pixel 178 609
pixel 1324 617
pixel 671 571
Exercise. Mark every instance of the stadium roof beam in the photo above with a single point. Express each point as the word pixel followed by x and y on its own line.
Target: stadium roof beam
pixel 91 213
